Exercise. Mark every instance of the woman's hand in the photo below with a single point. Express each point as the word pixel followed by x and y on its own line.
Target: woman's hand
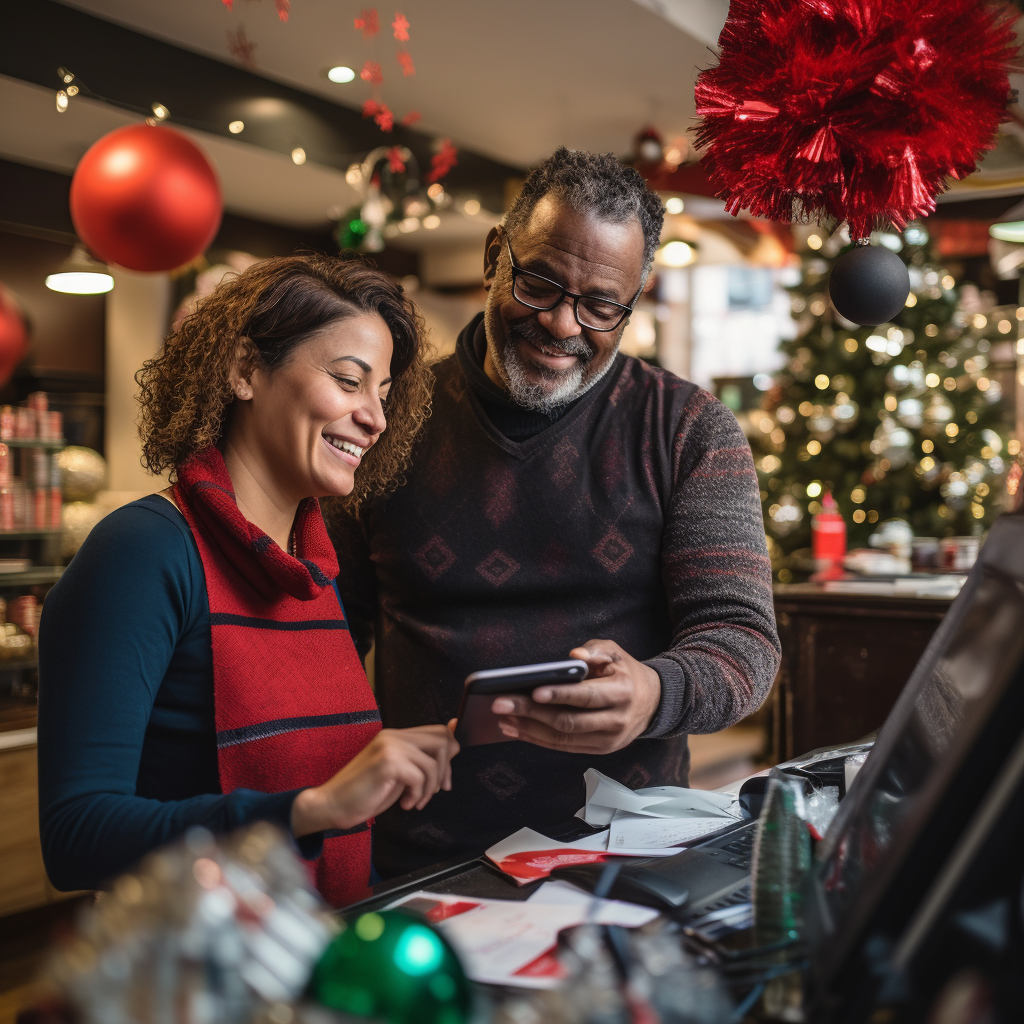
pixel 407 765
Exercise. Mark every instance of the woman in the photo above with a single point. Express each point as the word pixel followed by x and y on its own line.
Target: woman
pixel 195 665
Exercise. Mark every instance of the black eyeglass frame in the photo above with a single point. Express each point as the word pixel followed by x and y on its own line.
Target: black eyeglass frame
pixel 563 292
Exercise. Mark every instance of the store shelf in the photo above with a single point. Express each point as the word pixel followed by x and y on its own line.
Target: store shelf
pixel 27 534
pixel 25 442
pixel 31 577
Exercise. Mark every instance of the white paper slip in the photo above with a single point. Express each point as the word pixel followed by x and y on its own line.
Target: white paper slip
pixel 638 832
pixel 628 915
pixel 509 942
pixel 606 797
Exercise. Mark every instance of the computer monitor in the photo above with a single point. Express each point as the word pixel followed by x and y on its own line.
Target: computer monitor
pixel 953 730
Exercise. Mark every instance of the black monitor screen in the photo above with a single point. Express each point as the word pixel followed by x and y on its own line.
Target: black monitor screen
pixel 976 654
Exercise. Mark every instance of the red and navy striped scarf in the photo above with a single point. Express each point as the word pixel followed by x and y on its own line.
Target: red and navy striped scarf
pixel 292 703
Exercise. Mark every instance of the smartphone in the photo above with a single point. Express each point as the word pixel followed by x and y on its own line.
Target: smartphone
pixel 477 723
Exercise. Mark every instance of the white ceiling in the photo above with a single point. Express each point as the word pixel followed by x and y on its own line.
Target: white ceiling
pixel 509 80
pixel 256 182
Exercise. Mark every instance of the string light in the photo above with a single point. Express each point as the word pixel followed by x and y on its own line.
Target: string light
pixel 859 515
pixel 911 300
pixel 236 126
pixel 298 156
pixel 931 330
pixel 980 321
pixel 932 380
pixel 1004 326
pixel 160 112
pixel 850 344
pixel 821 381
pixel 814 447
pixel 432 221
pixel 927 445
pixel 814 241
pixel 857 495
pixel 952 430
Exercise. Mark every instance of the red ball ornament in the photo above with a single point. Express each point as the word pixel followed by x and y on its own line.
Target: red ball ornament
pixel 13 336
pixel 146 198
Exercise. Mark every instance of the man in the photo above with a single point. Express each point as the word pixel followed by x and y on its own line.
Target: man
pixel 564 501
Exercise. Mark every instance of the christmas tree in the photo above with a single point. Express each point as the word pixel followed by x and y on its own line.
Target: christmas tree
pixel 898 421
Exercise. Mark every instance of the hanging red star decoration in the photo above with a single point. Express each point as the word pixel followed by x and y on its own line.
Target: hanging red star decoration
pixel 853 109
pixel 405 59
pixel 381 114
pixel 283 7
pixel 367 22
pixel 372 73
pixel 241 47
pixel 442 161
pixel 229 4
pixel 401 27
pixel 395 161
pixel 411 118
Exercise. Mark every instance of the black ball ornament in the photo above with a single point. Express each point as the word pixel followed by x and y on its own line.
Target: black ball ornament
pixel 869 285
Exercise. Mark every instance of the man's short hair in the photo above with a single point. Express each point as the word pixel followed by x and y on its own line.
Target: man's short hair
pixel 592 183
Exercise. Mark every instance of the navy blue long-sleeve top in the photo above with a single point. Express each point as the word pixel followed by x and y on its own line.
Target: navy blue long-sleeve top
pixel 127 736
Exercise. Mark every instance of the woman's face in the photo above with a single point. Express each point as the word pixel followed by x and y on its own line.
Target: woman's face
pixel 310 420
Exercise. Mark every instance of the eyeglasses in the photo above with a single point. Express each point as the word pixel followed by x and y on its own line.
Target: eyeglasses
pixel 591 312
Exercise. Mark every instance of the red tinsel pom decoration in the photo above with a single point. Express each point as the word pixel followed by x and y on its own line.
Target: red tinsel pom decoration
pixel 852 109
pixel 401 27
pixel 411 118
pixel 405 59
pixel 283 7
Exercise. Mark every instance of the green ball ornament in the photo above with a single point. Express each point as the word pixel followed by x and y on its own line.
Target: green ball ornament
pixel 396 967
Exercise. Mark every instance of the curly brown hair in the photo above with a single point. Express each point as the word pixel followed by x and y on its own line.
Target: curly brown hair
pixel 185 392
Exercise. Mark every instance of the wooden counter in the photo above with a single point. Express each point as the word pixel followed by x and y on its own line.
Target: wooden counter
pixel 23 882
pixel 845 659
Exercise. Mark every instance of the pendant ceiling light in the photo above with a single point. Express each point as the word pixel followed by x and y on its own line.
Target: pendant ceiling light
pixel 80 274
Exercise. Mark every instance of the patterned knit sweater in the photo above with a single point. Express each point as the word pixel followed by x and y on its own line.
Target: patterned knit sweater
pixel 633 517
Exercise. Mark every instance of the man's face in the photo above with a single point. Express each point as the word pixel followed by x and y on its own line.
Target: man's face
pixel 544 358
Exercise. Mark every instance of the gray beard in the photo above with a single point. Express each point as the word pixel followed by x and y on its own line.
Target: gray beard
pixel 556 387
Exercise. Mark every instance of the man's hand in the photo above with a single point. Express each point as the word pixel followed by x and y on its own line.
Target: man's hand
pixel 604 713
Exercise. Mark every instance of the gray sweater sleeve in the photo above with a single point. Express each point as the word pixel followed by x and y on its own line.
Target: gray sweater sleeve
pixel 717 576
